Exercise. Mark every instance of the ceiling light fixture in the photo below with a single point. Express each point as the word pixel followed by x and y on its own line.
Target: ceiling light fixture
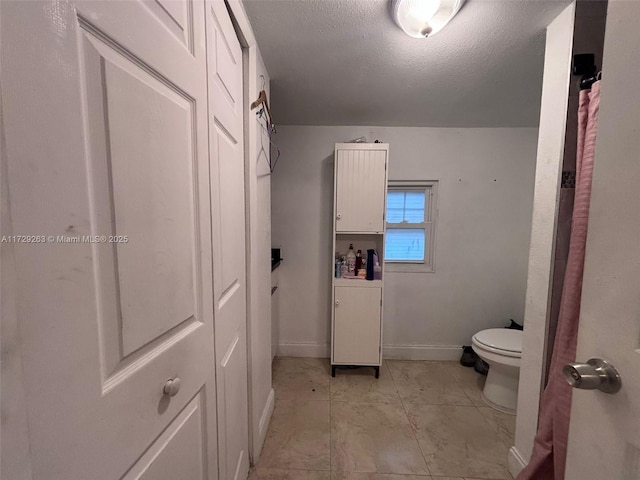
pixel 423 18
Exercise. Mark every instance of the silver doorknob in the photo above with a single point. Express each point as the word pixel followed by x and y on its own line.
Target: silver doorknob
pixel 596 374
pixel 171 387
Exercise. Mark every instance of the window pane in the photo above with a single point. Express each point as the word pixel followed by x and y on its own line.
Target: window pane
pixel 395 215
pixel 407 206
pixel 414 200
pixel 395 200
pixel 414 207
pixel 404 244
pixel 413 215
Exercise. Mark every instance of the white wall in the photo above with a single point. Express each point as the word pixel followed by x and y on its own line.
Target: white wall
pixel 485 199
pixel 553 119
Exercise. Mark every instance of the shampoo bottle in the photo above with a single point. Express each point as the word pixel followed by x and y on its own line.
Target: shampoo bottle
pixel 351 261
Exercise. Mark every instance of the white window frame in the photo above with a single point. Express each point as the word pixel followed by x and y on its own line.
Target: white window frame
pixel 430 187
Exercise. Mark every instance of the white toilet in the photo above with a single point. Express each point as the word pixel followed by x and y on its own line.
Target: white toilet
pixel 501 348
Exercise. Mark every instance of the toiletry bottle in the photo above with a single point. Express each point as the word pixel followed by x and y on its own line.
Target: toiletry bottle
pixel 338 267
pixel 377 271
pixel 344 269
pixel 351 261
pixel 370 264
pixel 358 262
pixel 377 275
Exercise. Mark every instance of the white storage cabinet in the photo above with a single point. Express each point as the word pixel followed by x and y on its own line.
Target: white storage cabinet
pixel 360 192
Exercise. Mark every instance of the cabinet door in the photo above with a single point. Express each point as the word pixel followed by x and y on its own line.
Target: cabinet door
pixel 360 190
pixel 356 334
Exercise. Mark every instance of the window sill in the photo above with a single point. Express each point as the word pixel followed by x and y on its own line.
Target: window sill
pixel 392 267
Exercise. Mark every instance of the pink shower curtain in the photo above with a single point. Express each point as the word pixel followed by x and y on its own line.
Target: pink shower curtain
pixel 550 445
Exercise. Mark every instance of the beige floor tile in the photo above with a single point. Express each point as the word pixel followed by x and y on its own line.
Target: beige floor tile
pixel 377 476
pixel 471 381
pixel 279 474
pixel 361 385
pixel 427 382
pixel 503 423
pixel 373 437
pixel 469 478
pixel 301 378
pixel 458 441
pixel 298 436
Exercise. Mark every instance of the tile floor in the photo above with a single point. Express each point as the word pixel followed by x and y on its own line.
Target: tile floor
pixel 418 421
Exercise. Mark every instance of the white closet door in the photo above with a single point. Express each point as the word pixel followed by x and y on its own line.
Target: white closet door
pixel 360 190
pixel 229 255
pixel 356 335
pixel 105 119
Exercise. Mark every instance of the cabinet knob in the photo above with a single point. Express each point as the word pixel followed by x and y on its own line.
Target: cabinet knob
pixel 337 302
pixel 339 216
pixel 171 387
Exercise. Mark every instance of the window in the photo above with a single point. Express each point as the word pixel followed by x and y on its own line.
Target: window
pixel 410 226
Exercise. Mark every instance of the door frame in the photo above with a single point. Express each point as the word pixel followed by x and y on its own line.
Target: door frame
pixel 551 148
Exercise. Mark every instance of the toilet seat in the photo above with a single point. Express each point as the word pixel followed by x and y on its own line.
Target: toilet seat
pixel 502 341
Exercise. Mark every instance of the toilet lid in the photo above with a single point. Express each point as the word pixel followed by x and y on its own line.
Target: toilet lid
pixel 501 338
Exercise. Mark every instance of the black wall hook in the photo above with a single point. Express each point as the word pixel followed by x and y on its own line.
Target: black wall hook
pixel 585 64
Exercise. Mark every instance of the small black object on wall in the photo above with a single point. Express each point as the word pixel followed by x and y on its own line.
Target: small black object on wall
pixel 585 64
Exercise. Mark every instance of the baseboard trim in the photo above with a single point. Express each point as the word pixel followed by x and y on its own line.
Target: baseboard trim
pixel 313 350
pixel 263 425
pixel 516 462
pixel 394 352
pixel 422 352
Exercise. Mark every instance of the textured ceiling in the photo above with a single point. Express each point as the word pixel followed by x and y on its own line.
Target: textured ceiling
pixel 344 62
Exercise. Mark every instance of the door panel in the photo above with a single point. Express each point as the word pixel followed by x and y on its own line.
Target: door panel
pixel 180 451
pixel 134 114
pixel 105 117
pixel 228 226
pixel 604 435
pixel 231 198
pixel 357 325
pixel 360 190
pixel 177 17
pixel 234 398
pixel 225 75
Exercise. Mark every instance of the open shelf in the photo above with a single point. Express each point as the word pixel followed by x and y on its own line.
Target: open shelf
pixel 356 282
